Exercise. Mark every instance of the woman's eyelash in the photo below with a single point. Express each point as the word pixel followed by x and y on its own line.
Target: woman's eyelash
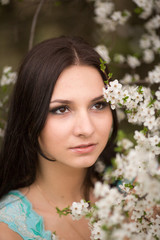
pixel 102 105
pixel 62 109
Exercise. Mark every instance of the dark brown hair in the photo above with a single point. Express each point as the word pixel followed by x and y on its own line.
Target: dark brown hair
pixel 29 109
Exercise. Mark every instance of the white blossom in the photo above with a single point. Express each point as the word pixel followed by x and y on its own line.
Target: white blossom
pixel 8 76
pixel 100 189
pixel 119 58
pixel 103 9
pixel 128 78
pixel 148 56
pixel 154 75
pixel 79 209
pixel 120 115
pixel 145 41
pixel 147 7
pixel 157 93
pixel 153 23
pixel 120 17
pixel 132 61
pixel 96 232
pixel 103 52
pixel 4 2
pixel 54 237
pixel 125 143
pixel 156 43
pixel 100 166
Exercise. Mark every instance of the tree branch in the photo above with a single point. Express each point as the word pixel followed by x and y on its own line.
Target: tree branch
pixel 34 21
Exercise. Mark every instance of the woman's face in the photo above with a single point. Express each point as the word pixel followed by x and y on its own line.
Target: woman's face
pixel 79 120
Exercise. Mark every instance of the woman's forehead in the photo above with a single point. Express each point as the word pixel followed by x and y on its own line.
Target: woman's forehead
pixel 78 81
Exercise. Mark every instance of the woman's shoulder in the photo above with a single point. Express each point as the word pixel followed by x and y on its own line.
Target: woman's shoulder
pixel 7 233
pixel 13 210
pixel 16 213
pixel 11 204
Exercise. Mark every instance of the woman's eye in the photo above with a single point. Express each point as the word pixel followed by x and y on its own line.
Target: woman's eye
pixel 59 110
pixel 99 105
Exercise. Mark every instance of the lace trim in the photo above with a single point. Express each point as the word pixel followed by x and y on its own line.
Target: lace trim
pixel 16 211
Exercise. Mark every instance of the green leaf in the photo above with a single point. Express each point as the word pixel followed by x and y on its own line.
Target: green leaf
pixel 139 219
pixel 125 99
pixel 144 131
pixel 152 100
pixel 63 212
pixel 102 65
pixel 119 104
pixel 106 82
pixel 57 3
pixel 110 75
pixel 126 213
pixel 138 10
pixel 128 111
pixel 129 185
pixel 140 89
pixel 114 164
pixel 118 149
pixel 121 135
pixel 124 14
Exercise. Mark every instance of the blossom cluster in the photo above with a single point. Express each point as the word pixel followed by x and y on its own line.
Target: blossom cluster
pixel 127 211
pixel 79 209
pixel 140 104
pixel 149 42
pixel 107 16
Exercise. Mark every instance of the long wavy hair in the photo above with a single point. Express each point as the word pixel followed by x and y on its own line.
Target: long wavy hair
pixel 29 108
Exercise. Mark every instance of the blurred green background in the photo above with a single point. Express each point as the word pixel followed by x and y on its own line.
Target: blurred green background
pixel 56 18
pixel 65 17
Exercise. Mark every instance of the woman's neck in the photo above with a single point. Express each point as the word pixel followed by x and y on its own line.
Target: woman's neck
pixel 61 183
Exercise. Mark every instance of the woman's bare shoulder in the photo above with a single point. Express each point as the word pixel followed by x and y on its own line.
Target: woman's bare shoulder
pixel 6 233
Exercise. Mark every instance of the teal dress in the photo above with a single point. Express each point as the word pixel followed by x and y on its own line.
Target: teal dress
pixel 16 211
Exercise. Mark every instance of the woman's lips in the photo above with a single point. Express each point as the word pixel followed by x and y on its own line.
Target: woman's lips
pixel 84 148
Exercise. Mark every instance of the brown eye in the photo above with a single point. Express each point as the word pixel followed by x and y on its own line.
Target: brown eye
pixel 60 110
pixel 99 105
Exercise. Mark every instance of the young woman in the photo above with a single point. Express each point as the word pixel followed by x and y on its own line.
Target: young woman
pixel 58 126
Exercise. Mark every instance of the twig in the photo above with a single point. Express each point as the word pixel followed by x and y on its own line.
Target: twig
pixel 34 21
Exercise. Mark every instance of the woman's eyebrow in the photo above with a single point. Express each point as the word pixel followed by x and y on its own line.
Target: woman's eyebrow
pixel 97 98
pixel 61 101
pixel 65 101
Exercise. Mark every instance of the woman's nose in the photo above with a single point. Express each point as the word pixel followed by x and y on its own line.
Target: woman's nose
pixel 83 125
